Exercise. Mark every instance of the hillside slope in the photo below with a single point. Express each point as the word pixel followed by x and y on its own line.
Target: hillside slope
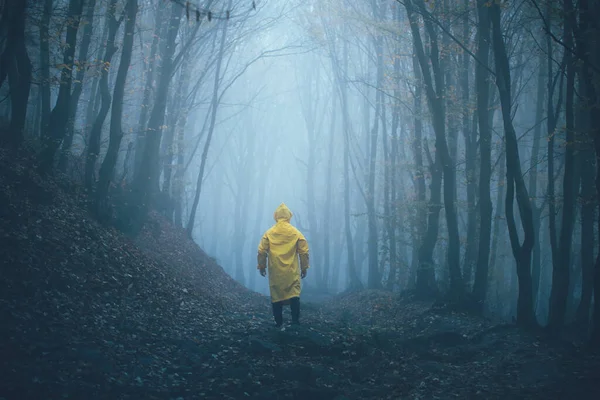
pixel 76 296
pixel 87 313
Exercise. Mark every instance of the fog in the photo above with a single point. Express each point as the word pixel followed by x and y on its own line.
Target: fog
pixel 372 130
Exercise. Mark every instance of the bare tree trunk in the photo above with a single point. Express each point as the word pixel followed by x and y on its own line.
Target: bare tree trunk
pixel 498 213
pixel 57 122
pixel 116 128
pixel 216 222
pixel 19 71
pixel 390 193
pixel 329 194
pixel 145 182
pixel 521 252
pixel 480 285
pixel 159 31
pixel 428 215
pixel 310 108
pixel 391 181
pixel 93 149
pixel 92 107
pixel 45 64
pixel 257 231
pixel 213 117
pixel 533 177
pixel 588 212
pixel 435 96
pixel 77 87
pixel 178 179
pixel 587 36
pixel 470 157
pixel 561 271
pixel 177 108
pixel 353 277
pixel 374 280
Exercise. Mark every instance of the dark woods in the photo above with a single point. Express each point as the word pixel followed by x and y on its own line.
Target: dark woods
pixel 479 131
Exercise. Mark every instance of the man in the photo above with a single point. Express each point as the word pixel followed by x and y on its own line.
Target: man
pixel 283 244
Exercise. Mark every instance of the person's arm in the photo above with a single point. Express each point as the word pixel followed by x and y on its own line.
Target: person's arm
pixel 302 247
pixel 263 250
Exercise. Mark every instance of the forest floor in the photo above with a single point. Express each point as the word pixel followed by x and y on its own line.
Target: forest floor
pixel 87 313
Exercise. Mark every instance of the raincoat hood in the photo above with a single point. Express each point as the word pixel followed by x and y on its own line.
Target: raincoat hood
pixel 282 213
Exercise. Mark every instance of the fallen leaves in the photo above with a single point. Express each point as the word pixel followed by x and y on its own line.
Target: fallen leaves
pixel 89 313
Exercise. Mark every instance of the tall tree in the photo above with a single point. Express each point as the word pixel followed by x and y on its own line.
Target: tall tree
pixel 213 118
pixel 470 136
pixel 159 30
pixel 45 64
pixel 514 176
pixel 433 77
pixel 57 121
pixel 116 129
pixel 145 183
pixel 428 213
pixel 485 148
pixel 81 67
pixel 562 262
pixel 374 277
pixel 15 63
pixel 93 147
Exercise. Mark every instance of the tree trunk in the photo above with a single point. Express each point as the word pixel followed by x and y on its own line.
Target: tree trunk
pixel 588 213
pixel 93 149
pixel 515 181
pixel 57 122
pixel 257 231
pixel 92 107
pixel 428 214
pixel 213 117
pixel 374 280
pixel 392 224
pixel 116 117
pixel 480 285
pixel 329 195
pixel 178 179
pixel 19 72
pixel 588 49
pixel 561 271
pixel 145 182
pixel 45 64
pixel 435 95
pixel 77 87
pixel 159 30
pixel 177 108
pixel 533 176
pixel 353 277
pixel 471 156
pixel 498 213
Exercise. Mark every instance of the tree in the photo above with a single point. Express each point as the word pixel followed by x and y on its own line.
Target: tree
pixel 93 149
pixel 16 65
pixel 562 250
pixel 78 86
pixel 59 116
pixel 116 129
pixel 515 182
pixel 145 183
pixel 485 145
pixel 213 117
pixel 435 92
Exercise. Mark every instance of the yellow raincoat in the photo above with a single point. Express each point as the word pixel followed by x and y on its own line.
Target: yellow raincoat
pixel 283 244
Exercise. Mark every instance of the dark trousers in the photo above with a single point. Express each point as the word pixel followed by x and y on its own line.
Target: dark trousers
pixel 278 310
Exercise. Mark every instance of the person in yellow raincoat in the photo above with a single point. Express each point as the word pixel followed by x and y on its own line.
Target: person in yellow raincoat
pixel 282 245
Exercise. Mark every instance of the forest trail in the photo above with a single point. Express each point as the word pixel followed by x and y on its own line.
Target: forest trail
pixel 89 313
